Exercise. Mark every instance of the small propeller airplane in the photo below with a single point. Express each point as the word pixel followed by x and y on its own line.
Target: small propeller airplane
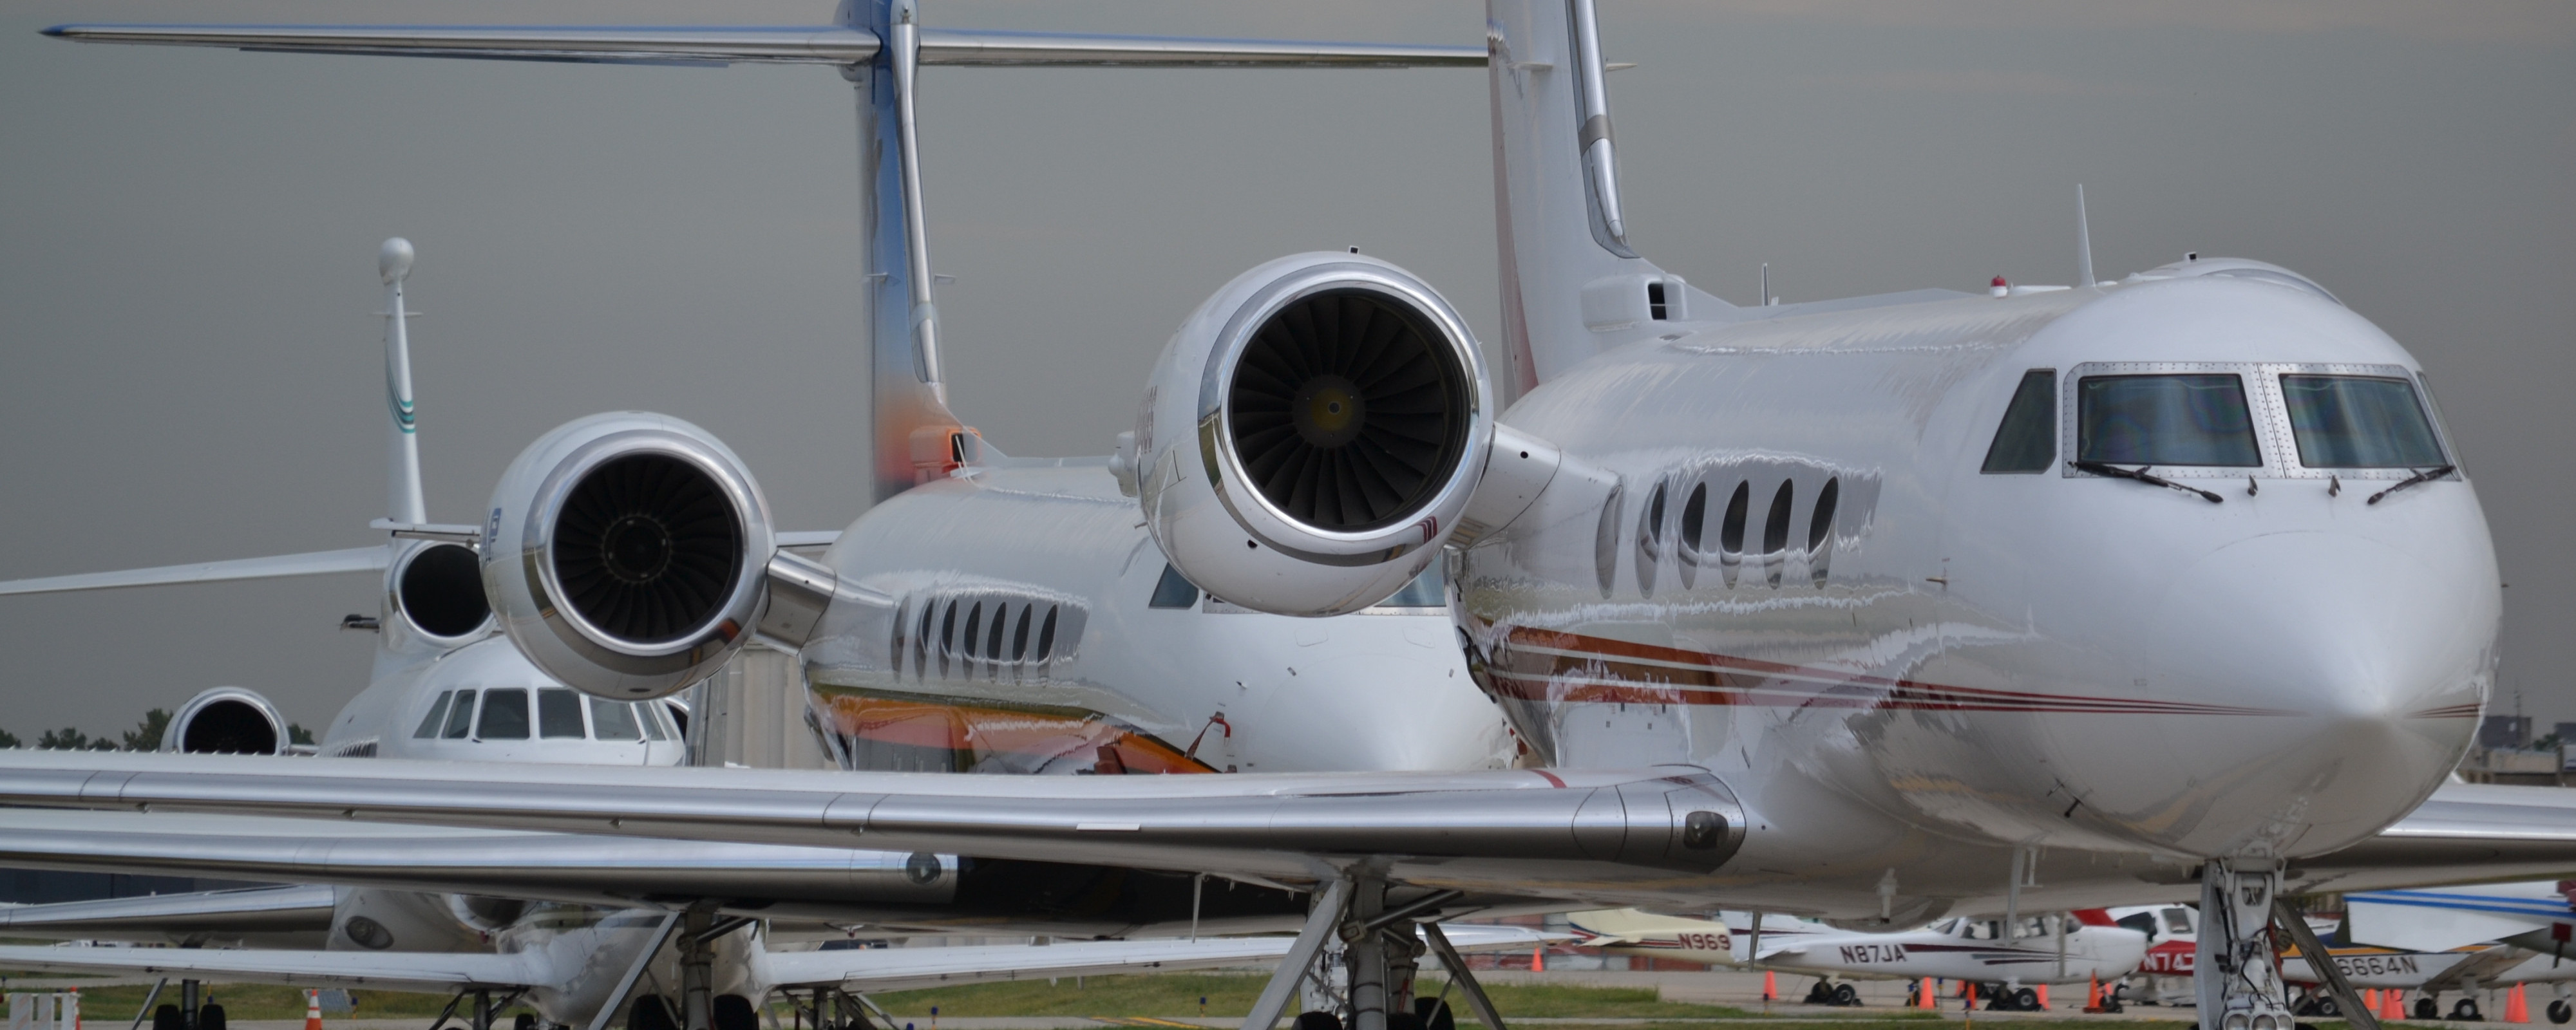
pixel 2078 947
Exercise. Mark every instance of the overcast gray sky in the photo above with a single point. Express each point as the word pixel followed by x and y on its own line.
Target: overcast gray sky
pixel 188 370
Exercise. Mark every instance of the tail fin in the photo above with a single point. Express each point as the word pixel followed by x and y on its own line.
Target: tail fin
pixel 2094 917
pixel 1571 285
pixel 403 502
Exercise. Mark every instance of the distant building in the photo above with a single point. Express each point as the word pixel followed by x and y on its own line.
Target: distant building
pixel 2565 732
pixel 2505 732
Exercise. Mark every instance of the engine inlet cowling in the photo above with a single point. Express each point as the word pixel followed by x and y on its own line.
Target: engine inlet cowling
pixel 1311 435
pixel 226 721
pixel 625 554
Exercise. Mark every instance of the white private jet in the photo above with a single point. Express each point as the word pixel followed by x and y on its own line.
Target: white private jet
pixel 2075 948
pixel 1869 609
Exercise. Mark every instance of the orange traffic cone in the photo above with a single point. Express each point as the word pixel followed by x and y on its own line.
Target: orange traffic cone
pixel 2515 1009
pixel 2093 993
pixel 1538 959
pixel 1927 999
pixel 1770 985
pixel 2043 994
pixel 2393 1004
pixel 312 1010
pixel 2370 999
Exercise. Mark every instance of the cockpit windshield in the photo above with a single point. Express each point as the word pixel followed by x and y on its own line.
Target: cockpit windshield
pixel 2368 422
pixel 2194 419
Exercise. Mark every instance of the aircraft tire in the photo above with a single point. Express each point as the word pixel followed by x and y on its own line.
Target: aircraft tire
pixel 1820 993
pixel 733 1012
pixel 1318 1021
pixel 166 1017
pixel 1435 1013
pixel 650 1013
pixel 210 1017
pixel 524 1021
pixel 2025 1000
pixel 2466 1008
pixel 2560 1011
pixel 2425 1009
pixel 1846 995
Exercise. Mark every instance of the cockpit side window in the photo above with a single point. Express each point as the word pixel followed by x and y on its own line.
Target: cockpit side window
pixel 1423 591
pixel 460 719
pixel 2369 422
pixel 2177 920
pixel 1174 590
pixel 2027 439
pixel 437 714
pixel 558 713
pixel 505 715
pixel 613 720
pixel 2191 419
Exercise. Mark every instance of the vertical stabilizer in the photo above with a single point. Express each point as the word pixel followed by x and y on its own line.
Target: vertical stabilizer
pixel 1571 285
pixel 913 434
pixel 403 502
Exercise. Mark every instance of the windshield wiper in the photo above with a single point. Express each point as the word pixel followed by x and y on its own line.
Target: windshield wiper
pixel 2141 475
pixel 2420 478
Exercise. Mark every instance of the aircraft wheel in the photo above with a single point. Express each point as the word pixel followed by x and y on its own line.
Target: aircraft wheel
pixel 524 1021
pixel 2426 1009
pixel 1846 995
pixel 210 1017
pixel 2329 1008
pixel 166 1017
pixel 2025 1000
pixel 650 1013
pixel 2466 1008
pixel 733 1012
pixel 2559 1011
pixel 1435 1014
pixel 1318 1021
pixel 1820 993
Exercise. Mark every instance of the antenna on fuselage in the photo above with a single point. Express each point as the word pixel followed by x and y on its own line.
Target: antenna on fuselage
pixel 403 503
pixel 2083 242
pixel 1766 284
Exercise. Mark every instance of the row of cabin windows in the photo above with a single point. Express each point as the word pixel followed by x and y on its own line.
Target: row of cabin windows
pixel 2201 419
pixel 1428 590
pixel 504 715
pixel 1731 526
pixel 1012 633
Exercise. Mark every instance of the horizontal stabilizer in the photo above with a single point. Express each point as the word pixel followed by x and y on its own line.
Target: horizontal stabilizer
pixel 317 563
pixel 437 971
pixel 791 44
pixel 808 537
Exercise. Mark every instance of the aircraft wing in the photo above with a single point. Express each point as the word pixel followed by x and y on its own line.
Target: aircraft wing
pixel 786 44
pixel 226 914
pixel 1643 836
pixel 903 969
pixel 420 971
pixel 316 563
pixel 2464 833
pixel 759 879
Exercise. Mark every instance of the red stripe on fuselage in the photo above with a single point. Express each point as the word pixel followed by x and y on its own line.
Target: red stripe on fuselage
pixel 1550 665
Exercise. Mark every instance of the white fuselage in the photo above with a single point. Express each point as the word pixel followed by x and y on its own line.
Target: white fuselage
pixel 1952 657
pixel 1382 689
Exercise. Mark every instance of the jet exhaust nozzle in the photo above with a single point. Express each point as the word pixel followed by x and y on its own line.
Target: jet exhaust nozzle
pixel 625 553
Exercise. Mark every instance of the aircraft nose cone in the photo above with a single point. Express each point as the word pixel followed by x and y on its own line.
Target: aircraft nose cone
pixel 2363 667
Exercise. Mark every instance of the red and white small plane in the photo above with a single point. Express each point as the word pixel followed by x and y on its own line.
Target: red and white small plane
pixel 2072 948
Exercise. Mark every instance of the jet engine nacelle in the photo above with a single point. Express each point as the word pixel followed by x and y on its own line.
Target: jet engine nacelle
pixel 625 554
pixel 1312 434
pixel 226 721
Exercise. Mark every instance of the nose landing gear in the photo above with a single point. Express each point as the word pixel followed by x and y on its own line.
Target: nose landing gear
pixel 2233 974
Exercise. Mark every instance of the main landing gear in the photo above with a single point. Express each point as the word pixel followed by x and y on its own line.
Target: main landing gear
pixel 1380 953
